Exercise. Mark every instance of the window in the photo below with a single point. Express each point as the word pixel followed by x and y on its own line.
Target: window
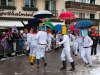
pixel 92 1
pixel 83 1
pixel 81 15
pixel 29 3
pixel 92 16
pixel 51 6
pixel 7 2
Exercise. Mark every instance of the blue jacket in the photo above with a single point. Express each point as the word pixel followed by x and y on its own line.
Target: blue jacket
pixel 21 41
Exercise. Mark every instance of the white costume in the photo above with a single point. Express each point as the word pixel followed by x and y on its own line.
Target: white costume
pixel 32 43
pixel 66 49
pixel 75 44
pixel 41 38
pixel 57 40
pixel 80 41
pixel 86 52
pixel 49 38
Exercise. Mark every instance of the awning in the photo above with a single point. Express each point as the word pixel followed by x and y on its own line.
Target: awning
pixel 54 23
pixel 9 23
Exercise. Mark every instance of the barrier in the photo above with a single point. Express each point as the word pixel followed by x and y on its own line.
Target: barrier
pixel 6 52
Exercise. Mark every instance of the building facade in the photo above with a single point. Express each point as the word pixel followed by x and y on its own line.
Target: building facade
pixel 84 9
pixel 22 10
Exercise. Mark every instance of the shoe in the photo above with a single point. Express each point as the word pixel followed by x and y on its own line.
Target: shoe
pixel 86 64
pixel 63 68
pixel 90 66
pixel 75 54
pixel 72 69
pixel 45 64
pixel 31 63
pixel 37 66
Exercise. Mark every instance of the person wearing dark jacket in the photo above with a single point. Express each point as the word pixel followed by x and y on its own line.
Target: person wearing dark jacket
pixel 94 46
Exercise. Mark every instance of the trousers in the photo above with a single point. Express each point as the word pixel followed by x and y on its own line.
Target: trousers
pixel 40 52
pixel 75 47
pixel 66 52
pixel 33 48
pixel 86 55
pixel 49 45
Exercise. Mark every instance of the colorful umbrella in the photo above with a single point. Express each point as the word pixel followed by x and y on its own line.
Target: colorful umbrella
pixel 34 21
pixel 84 24
pixel 66 16
pixel 50 25
pixel 42 14
pixel 76 30
pixel 58 27
pixel 72 26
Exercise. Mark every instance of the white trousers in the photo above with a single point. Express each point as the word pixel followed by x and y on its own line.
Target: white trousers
pixel 86 55
pixel 40 52
pixel 49 45
pixel 80 49
pixel 75 47
pixel 33 48
pixel 66 52
pixel 57 42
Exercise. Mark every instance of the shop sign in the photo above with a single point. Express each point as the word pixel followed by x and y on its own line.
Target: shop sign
pixel 13 13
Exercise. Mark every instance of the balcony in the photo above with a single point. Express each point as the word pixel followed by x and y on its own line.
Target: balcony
pixel 54 12
pixel 78 5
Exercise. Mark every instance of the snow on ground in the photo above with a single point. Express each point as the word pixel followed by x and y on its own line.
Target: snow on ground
pixel 96 71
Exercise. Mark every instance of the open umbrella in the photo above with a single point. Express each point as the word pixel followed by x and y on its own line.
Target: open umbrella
pixel 66 16
pixel 72 26
pixel 42 14
pixel 58 27
pixel 49 24
pixel 34 21
pixel 84 24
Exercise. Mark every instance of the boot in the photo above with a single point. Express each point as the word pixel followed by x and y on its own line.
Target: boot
pixel 55 49
pixel 73 66
pixel 64 65
pixel 32 60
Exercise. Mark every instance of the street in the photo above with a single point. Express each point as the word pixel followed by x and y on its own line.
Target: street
pixel 20 65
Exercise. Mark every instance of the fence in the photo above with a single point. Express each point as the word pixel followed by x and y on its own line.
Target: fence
pixel 14 47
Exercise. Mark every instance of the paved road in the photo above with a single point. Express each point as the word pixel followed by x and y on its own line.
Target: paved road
pixel 20 66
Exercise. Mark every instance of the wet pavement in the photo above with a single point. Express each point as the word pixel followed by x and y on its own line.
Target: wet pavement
pixel 20 65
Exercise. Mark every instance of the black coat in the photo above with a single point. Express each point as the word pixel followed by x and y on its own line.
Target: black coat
pixel 95 40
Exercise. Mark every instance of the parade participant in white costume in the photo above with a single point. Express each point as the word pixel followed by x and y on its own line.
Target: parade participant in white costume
pixel 49 38
pixel 57 41
pixel 86 52
pixel 80 41
pixel 32 45
pixel 75 45
pixel 41 38
pixel 66 52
